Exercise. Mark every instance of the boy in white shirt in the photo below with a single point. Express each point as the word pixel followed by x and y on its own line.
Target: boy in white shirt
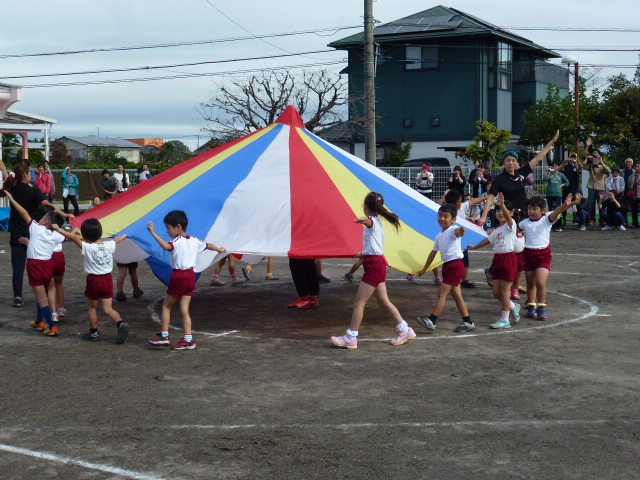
pixel 537 252
pixel 40 246
pixel 98 264
pixel 505 262
pixel 448 243
pixel 182 283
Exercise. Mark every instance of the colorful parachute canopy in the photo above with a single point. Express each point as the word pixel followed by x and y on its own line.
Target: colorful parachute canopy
pixel 281 191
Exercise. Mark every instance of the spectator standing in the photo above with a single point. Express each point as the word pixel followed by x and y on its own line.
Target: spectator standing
pixel 70 185
pixel 572 170
pixel 627 172
pixel 457 180
pixel 556 181
pixel 109 185
pixel 474 178
pixel 424 180
pixel 122 179
pixel 633 195
pixel 43 181
pixel 598 173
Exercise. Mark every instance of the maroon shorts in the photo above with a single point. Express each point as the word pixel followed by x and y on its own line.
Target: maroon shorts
pixel 99 286
pixel 182 283
pixel 520 257
pixel 375 269
pixel 534 259
pixel 40 272
pixel 504 266
pixel 59 264
pixel 132 265
pixel 452 272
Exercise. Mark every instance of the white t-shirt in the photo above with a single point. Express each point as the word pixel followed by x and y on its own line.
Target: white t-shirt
pixel 503 238
pixel 98 257
pixel 466 211
pixel 537 234
pixel 449 246
pixel 119 178
pixel 42 241
pixel 184 251
pixel 518 244
pixel 374 238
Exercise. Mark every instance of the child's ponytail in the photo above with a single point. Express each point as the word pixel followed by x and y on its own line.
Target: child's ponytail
pixel 374 202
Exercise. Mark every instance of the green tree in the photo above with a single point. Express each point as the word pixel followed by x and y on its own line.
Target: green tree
pixel 489 144
pixel 59 154
pixel 103 154
pixel 35 157
pixel 395 157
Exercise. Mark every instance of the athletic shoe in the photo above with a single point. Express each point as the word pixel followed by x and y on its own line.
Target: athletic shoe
pixel 123 332
pixel 160 340
pixel 323 279
pixel 18 302
pixel 467 284
pixel 522 288
pixel 216 283
pixel 39 326
pixel 54 317
pixel 514 294
pixel 404 337
pixel 245 273
pixel 516 313
pixel 502 323
pixel 606 227
pixel 270 277
pixel 120 296
pixel 531 310
pixel 583 228
pixel 314 302
pixel 557 229
pixel 137 293
pixel 621 227
pixel 91 337
pixel 427 323
pixel 62 312
pixel 344 342
pixel 300 303
pixel 349 277
pixel 438 281
pixel 542 313
pixel 236 281
pixel 184 345
pixel 412 278
pixel 466 328
pixel 489 277
pixel 51 332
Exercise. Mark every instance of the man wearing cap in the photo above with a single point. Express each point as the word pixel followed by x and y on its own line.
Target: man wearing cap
pixel 598 173
pixel 109 185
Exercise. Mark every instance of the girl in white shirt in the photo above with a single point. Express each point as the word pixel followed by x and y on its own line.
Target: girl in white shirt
pixel 505 262
pixel 375 273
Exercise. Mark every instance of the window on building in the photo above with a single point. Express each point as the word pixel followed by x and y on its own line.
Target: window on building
pixel 505 66
pixel 420 58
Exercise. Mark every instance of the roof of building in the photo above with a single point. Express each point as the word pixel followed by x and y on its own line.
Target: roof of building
pixel 440 22
pixel 93 141
pixel 23 118
pixel 156 142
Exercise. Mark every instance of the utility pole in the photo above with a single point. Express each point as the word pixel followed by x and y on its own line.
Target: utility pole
pixel 369 85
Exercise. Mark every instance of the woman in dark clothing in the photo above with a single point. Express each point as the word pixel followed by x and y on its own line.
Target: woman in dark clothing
pixel 457 180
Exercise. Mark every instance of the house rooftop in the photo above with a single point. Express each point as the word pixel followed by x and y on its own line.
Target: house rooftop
pixel 441 22
pixel 93 141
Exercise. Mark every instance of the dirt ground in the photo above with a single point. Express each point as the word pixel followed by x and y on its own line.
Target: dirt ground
pixel 266 396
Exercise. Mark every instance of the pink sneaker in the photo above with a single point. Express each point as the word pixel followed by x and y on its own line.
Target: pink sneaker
pixel 437 281
pixel 62 312
pixel 344 341
pixel 515 294
pixel 404 337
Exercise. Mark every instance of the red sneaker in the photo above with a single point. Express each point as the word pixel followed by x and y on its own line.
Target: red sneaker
pixel 314 302
pixel 300 303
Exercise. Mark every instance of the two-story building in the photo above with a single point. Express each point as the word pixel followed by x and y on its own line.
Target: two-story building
pixel 441 70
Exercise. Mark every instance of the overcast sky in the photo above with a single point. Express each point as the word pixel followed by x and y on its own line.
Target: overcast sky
pixel 168 108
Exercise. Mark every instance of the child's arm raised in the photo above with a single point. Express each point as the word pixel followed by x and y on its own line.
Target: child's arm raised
pixel 366 221
pixel 163 243
pixel 460 231
pixel 430 258
pixel 119 238
pixel 569 202
pixel 73 235
pixel 19 208
pixel 505 211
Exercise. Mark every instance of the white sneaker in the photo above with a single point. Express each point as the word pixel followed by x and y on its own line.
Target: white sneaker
pixel 607 227
pixel 621 227
pixel 411 278
pixel 583 227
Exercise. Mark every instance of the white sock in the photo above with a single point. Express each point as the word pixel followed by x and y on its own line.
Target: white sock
pixel 505 315
pixel 351 334
pixel 165 334
pixel 403 327
pixel 512 305
pixel 188 338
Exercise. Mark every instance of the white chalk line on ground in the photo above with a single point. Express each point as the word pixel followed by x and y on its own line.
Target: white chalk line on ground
pixel 81 463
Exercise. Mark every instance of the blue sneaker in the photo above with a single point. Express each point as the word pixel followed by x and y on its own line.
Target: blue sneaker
pixel 502 323
pixel 516 313
pixel 427 323
pixel 542 312
pixel 531 310
pixel 245 273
